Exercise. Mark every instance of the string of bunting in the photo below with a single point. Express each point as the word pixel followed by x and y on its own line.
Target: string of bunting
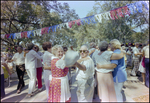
pixel 112 14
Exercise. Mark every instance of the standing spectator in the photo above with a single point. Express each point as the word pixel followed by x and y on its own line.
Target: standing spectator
pixel 85 76
pixel 59 90
pixel 136 55
pixel 30 66
pixel 39 68
pixel 47 64
pixel 3 63
pixel 19 60
pixel 146 54
pixel 92 50
pixel 129 57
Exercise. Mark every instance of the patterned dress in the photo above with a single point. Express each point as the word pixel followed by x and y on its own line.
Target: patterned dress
pixel 59 90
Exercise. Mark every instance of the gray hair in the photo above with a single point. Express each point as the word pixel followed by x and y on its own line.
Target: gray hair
pixel 92 45
pixel 103 46
pixel 85 45
pixel 30 46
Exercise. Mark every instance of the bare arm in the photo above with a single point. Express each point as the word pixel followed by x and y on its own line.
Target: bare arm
pixel 5 65
pixel 80 66
pixel 92 52
pixel 47 68
pixel 115 56
pixel 106 66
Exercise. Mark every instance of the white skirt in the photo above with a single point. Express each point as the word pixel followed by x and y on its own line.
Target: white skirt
pixel 141 68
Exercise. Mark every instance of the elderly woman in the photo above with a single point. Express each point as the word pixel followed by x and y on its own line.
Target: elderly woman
pixel 106 88
pixel 30 66
pixel 59 87
pixel 119 73
pixel 47 46
pixel 39 68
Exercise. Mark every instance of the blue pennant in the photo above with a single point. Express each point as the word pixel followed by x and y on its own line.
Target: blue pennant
pixel 145 4
pixel 132 8
pixel 30 33
pixel 139 6
pixel 93 19
pixel 11 35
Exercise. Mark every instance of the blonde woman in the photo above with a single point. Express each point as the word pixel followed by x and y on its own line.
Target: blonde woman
pixel 59 87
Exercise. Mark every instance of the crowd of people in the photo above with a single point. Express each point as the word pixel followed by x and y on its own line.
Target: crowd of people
pixel 101 69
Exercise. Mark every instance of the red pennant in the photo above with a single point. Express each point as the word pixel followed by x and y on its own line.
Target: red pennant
pixel 126 10
pixel 113 14
pixel 119 12
pixel 44 30
pixel 7 36
pixel 24 34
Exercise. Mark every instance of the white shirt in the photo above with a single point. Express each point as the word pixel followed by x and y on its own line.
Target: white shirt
pixel 94 56
pixel 135 51
pixel 146 51
pixel 39 62
pixel 103 59
pixel 89 73
pixel 19 59
pixel 47 57
pixel 31 60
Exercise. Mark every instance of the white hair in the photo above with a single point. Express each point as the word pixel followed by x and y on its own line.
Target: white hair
pixel 85 46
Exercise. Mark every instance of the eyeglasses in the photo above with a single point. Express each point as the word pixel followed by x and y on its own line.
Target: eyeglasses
pixel 84 51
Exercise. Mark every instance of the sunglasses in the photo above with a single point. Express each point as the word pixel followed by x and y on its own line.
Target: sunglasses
pixel 35 48
pixel 84 51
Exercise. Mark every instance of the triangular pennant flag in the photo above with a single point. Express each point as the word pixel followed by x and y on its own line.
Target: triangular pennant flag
pixel 11 35
pixel 99 17
pixel 119 11
pixel 146 4
pixel 132 8
pixel 3 36
pixel 66 24
pixel 7 36
pixel 71 23
pixel 18 35
pixel 125 10
pixel 24 34
pixel 139 6
pixel 44 30
pixel 92 19
pixel 106 15
pixel 29 33
pixel 37 32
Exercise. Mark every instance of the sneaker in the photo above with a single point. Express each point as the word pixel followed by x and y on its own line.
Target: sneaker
pixel 40 89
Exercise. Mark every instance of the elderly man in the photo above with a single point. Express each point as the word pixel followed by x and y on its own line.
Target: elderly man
pixel 30 66
pixel 136 56
pixel 19 60
pixel 85 76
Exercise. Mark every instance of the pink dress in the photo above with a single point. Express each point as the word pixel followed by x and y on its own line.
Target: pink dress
pixel 59 90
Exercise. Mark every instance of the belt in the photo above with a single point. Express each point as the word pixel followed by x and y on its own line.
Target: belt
pixel 20 65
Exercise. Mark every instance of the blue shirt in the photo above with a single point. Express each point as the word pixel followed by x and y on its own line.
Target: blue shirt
pixel 120 71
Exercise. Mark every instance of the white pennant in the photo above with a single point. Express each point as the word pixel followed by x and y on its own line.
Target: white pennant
pixel 37 32
pixel 67 25
pixel 3 36
pixel 106 15
pixel 18 35
pixel 99 17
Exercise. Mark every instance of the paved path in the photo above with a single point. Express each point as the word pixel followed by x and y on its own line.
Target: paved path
pixel 132 88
